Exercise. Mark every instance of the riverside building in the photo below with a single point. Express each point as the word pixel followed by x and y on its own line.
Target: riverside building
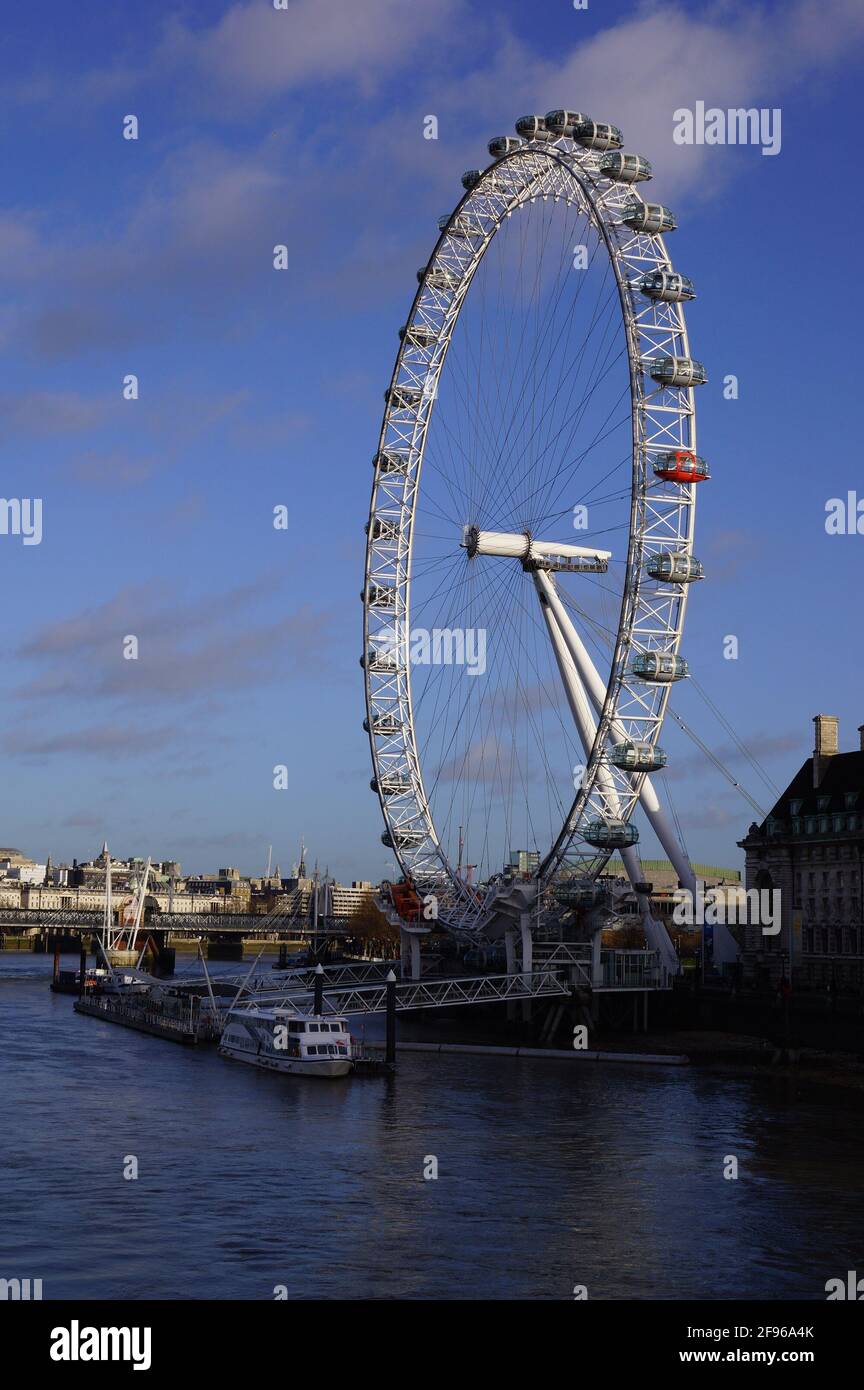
pixel 811 848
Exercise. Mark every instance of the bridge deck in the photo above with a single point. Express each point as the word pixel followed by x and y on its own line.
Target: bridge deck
pixel 421 994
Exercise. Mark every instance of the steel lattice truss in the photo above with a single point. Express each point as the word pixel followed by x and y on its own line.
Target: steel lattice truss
pixel 661 514
pixel 426 994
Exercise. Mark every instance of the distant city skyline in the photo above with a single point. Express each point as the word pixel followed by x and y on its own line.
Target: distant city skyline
pixel 293 866
pixel 260 389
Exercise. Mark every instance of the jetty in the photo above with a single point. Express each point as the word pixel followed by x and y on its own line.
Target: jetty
pixel 178 1017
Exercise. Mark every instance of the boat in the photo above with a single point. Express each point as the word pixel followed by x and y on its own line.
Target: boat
pixel 69 981
pixel 284 1040
pixel 126 980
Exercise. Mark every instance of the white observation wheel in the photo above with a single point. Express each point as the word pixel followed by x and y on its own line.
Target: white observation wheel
pixel 530 539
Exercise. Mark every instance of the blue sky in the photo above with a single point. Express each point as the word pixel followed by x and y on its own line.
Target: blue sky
pixel 258 388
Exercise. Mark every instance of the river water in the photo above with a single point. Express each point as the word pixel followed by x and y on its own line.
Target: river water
pixel 551 1174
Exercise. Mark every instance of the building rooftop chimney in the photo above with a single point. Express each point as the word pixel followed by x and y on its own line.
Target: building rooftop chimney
pixel 861 736
pixel 827 744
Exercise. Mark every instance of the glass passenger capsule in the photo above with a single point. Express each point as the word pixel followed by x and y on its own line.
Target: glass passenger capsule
pixel 403 397
pixel 649 217
pixel 462 226
pixel 504 144
pixel 565 122
pixel 680 466
pixel 439 278
pixel 471 178
pixel 418 335
pixel 380 596
pixel 625 168
pixel 667 285
pixel 610 834
pixel 596 135
pixel 390 785
pixel 383 529
pixel 635 756
pixel 383 725
pixel 677 371
pixel 404 838
pixel 674 567
pixel 576 894
pixel 533 128
pixel 388 461
pixel 659 668
pixel 380 659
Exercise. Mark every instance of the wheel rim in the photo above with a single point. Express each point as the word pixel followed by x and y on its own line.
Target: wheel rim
pixel 402 566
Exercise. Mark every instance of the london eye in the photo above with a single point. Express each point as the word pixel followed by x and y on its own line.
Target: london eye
pixel 530 537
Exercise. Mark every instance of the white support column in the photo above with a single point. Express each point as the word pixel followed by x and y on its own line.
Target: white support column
pixel 581 711
pixel 527 960
pixel 596 960
pixel 410 954
pixel 576 696
pixel 510 956
pixel 725 945
pixel 597 691
pixel 404 955
pixel 575 657
pixel 527 946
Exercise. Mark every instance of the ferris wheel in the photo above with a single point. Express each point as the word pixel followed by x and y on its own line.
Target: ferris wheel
pixel 530 538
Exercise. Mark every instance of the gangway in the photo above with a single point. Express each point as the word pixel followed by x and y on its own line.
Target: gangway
pixel 424 994
pixel 619 971
pixel 357 973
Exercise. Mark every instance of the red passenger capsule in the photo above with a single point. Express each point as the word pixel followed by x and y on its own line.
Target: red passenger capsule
pixel 681 466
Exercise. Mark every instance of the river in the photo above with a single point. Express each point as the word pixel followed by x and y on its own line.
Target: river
pixel 551 1174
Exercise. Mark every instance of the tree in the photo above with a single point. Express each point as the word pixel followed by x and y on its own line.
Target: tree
pixel 373 933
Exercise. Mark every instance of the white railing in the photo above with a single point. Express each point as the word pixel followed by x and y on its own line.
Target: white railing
pixel 429 994
pixel 623 970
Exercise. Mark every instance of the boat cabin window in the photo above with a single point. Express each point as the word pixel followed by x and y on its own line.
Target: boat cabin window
pixel 295 1027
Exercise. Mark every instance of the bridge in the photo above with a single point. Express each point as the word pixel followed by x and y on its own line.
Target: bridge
pixel 272 926
pixel 371 998
pixel 361 987
pixel 56 919
pixel 248 924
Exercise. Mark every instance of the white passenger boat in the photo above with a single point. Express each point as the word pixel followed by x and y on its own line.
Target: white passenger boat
pixel 283 1040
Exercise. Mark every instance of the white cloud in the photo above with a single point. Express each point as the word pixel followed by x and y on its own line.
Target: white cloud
pixel 637 72
pixel 255 51
pixel 340 172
